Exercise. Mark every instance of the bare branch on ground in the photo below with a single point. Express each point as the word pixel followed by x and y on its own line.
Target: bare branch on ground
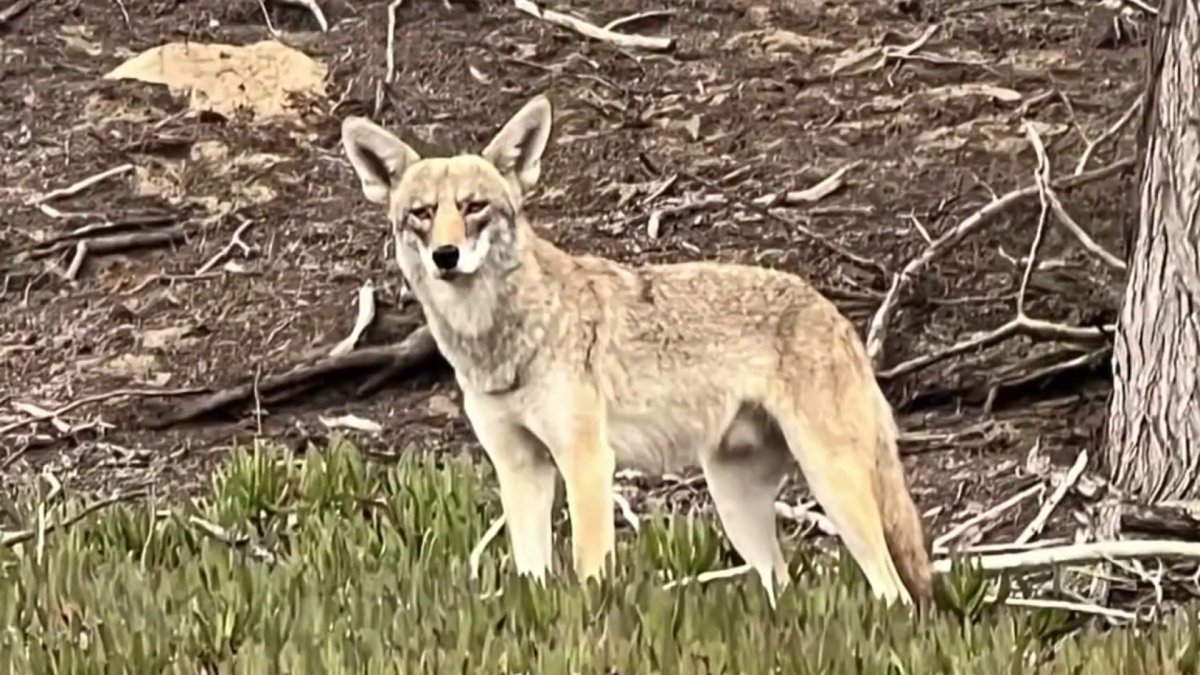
pixel 593 31
pixel 366 314
pixel 235 242
pixel 417 349
pixel 10 539
pixel 1090 552
pixel 723 197
pixel 942 543
pixel 80 186
pixel 97 398
pixel 881 321
pixel 390 74
pixel 114 243
pixel 1067 482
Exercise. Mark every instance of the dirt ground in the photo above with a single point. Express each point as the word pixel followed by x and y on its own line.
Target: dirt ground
pixel 747 105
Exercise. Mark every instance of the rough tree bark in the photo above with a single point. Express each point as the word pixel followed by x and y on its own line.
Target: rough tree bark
pixel 1153 434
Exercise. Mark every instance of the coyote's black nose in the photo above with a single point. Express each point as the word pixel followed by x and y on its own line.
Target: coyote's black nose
pixel 445 257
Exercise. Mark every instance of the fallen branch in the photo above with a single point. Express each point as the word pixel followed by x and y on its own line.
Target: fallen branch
pixel 241 542
pixel 829 185
pixel 131 222
pixel 1017 326
pixel 417 348
pixel 1039 521
pixel 1081 235
pixel 1068 606
pixel 366 314
pixel 236 241
pixel 391 43
pixel 639 17
pixel 941 543
pixel 10 539
pixel 852 64
pixel 705 577
pixel 881 321
pixel 115 243
pixel 1091 552
pixel 14 10
pixel 1109 134
pixel 593 31
pixel 96 398
pixel 723 198
pixel 80 186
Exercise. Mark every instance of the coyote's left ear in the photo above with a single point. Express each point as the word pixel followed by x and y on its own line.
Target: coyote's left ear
pixel 377 155
pixel 517 148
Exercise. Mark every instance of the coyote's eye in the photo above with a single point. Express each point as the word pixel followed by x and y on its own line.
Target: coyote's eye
pixel 474 207
pixel 421 213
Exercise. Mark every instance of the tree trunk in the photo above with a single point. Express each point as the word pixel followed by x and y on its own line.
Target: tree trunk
pixel 1153 435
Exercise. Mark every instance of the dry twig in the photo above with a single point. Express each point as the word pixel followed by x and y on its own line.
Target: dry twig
pixel 1109 133
pixel 226 537
pixel 10 539
pixel 14 10
pixel 881 321
pixel 1090 552
pixel 417 348
pixel 114 243
pixel 1039 521
pixel 236 241
pixel 366 314
pixel 852 64
pixel 942 542
pixel 723 198
pixel 593 31
pixel 80 186
pixel 96 398
pixel 393 7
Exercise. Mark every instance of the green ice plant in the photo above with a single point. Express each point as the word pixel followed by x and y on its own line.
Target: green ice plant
pixel 326 562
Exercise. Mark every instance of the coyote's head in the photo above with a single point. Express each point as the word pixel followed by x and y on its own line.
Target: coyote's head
pixel 450 215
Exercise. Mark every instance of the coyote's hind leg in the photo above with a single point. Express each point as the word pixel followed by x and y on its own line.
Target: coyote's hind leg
pixel 743 476
pixel 837 455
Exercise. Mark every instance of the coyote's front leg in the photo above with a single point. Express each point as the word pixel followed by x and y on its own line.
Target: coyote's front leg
pixel 525 472
pixel 578 439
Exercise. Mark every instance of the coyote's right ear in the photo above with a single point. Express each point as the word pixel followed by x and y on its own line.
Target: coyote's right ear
pixel 517 148
pixel 377 155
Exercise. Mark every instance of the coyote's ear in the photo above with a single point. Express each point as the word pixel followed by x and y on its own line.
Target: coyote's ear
pixel 377 155
pixel 517 148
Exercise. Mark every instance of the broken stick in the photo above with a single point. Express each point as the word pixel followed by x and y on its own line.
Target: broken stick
pixel 418 347
pixel 593 31
pixel 76 188
pixel 881 321
pixel 366 314
pixel 235 241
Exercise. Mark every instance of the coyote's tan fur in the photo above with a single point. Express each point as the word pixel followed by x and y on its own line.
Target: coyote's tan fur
pixel 580 365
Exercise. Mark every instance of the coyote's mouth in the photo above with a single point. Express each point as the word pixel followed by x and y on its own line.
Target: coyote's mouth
pixel 448 276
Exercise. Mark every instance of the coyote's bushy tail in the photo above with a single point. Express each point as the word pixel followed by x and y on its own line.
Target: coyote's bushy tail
pixel 903 528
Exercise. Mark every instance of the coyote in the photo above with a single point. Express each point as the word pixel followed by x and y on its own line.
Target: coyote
pixel 581 365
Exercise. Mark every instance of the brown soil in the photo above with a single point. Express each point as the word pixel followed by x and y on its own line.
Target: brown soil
pixel 744 106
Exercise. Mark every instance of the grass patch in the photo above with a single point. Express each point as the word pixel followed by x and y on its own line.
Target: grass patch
pixel 333 565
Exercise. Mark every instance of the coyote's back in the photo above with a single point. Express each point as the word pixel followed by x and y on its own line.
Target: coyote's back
pixel 578 364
